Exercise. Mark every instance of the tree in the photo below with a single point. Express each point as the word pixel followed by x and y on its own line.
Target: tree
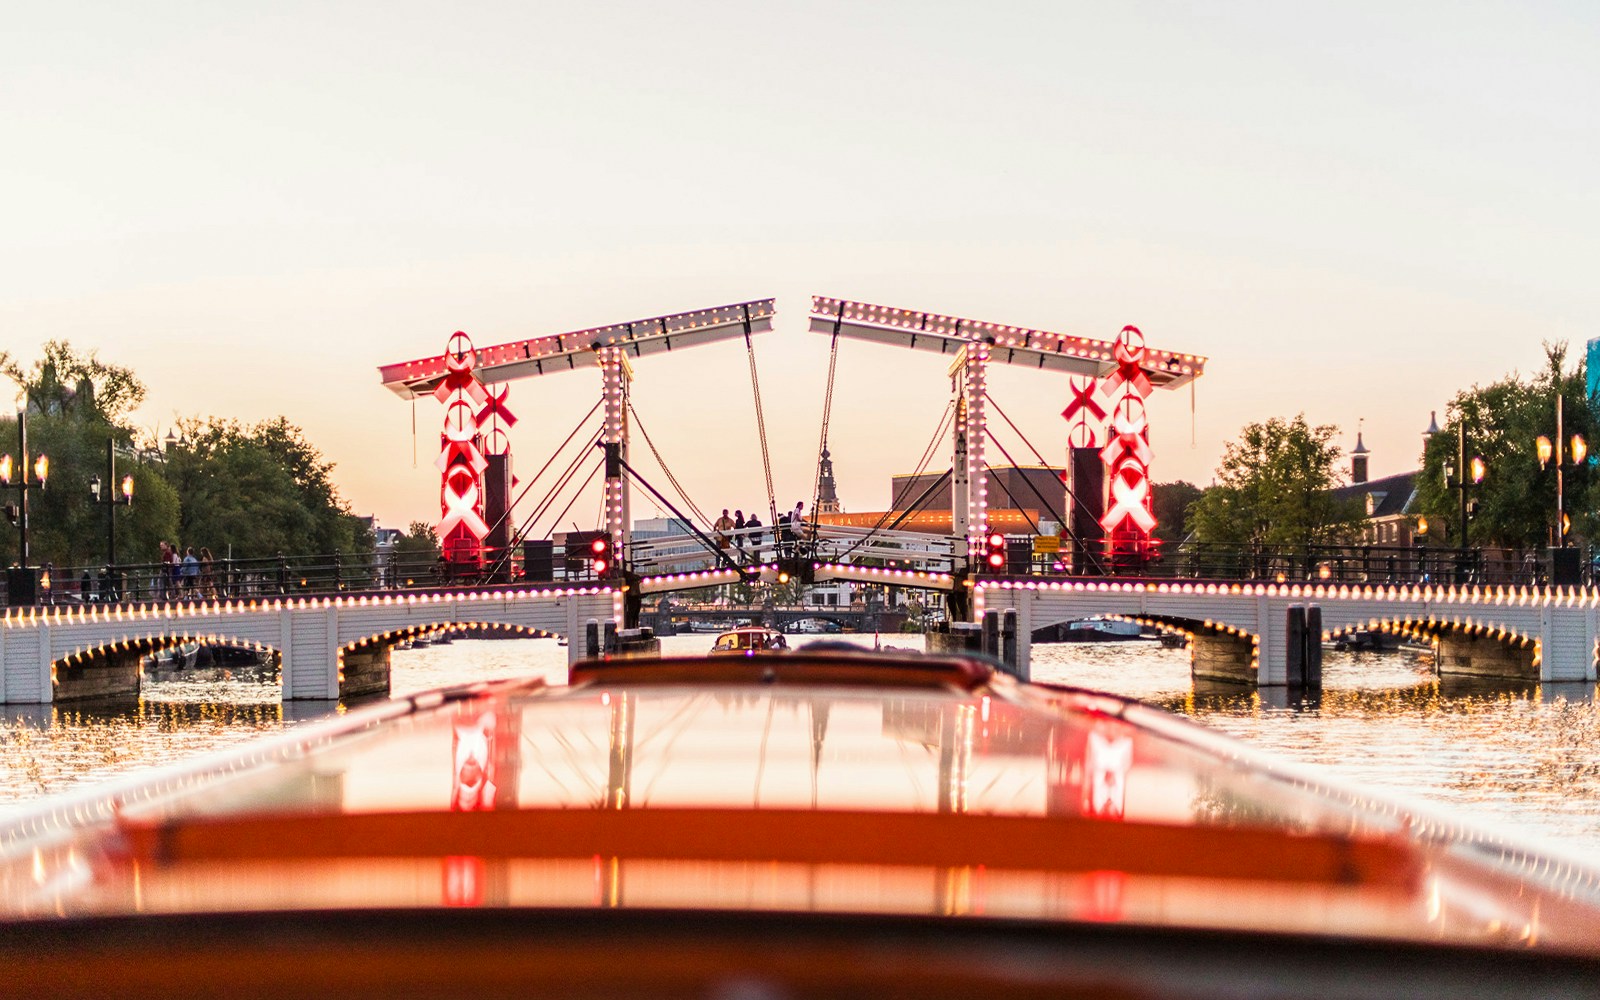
pixel 1171 506
pixel 415 552
pixel 65 527
pixel 65 381
pixel 1273 490
pixel 257 492
pixel 1516 502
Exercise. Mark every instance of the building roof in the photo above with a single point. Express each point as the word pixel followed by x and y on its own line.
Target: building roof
pixel 1391 495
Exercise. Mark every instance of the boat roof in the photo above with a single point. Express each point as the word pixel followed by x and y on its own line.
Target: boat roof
pixel 815 783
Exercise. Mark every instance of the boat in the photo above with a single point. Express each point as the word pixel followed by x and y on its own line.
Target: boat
pixel 1092 630
pixel 706 627
pixel 748 639
pixel 821 822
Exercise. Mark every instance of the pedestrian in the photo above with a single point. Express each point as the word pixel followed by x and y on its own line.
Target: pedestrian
pixel 723 525
pixel 190 571
pixel 283 574
pixel 754 526
pixel 208 581
pixel 167 583
pixel 738 532
pixel 797 524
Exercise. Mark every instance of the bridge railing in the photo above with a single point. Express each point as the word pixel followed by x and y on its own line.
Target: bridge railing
pixel 348 572
pixel 304 574
pixel 832 543
pixel 1336 564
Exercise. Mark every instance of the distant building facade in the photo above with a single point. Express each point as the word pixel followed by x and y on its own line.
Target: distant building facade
pixel 1389 502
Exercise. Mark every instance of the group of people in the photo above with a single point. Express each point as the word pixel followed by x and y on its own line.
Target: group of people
pixel 186 574
pixel 741 532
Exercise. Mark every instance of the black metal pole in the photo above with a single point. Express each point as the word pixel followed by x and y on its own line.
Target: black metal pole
pixel 1461 481
pixel 109 498
pixel 1561 512
pixel 22 485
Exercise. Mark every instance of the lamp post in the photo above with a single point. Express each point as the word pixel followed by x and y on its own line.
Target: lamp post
pixel 1563 559
pixel 1462 476
pixel 1561 453
pixel 114 496
pixel 21 582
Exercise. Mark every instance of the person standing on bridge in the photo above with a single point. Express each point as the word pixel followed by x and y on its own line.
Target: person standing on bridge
pixel 738 533
pixel 723 525
pixel 754 527
pixel 797 525
pixel 191 572
pixel 167 581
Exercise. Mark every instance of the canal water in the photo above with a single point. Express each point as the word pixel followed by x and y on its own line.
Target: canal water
pixel 1523 757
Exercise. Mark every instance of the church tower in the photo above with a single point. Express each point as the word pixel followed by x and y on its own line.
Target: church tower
pixel 827 497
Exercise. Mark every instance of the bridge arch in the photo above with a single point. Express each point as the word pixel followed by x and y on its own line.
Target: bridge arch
pixel 1464 644
pixel 113 669
pixel 365 663
pixel 1218 650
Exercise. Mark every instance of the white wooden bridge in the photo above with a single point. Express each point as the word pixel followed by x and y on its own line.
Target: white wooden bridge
pixel 336 646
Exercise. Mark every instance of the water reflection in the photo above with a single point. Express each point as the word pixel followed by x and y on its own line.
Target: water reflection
pixel 1520 753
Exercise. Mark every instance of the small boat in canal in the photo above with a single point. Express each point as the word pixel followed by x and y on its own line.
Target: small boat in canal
pixel 820 822
pixel 747 640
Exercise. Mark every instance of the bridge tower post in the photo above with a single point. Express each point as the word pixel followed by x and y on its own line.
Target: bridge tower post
pixel 615 374
pixel 969 491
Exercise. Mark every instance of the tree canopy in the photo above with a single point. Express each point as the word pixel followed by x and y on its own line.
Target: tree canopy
pixel 1516 501
pixel 249 491
pixel 1273 490
pixel 65 381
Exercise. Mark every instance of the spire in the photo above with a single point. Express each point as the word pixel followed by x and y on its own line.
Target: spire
pixel 827 497
pixel 1433 425
pixel 1358 457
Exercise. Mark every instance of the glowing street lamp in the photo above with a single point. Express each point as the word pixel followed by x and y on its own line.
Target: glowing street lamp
pixel 21 583
pixel 1552 452
pixel 111 499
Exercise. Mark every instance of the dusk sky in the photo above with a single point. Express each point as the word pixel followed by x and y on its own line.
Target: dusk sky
pixel 1352 210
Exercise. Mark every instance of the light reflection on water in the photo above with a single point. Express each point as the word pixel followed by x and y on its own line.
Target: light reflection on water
pixel 1522 755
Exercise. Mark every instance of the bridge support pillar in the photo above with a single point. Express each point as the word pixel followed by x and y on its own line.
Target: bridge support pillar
pixel 366 671
pixel 1220 657
pixel 1485 656
pixel 108 675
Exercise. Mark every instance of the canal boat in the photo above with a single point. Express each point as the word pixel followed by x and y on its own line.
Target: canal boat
pixel 825 822
pixel 747 640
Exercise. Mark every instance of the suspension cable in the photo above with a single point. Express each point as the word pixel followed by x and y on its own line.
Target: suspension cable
pixel 581 487
pixel 1072 498
pixel 543 469
pixel 761 420
pixel 827 414
pixel 927 454
pixel 1007 491
pixel 682 494
pixel 561 484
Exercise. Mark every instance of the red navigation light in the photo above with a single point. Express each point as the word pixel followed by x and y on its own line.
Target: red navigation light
pixel 600 555
pixel 995 551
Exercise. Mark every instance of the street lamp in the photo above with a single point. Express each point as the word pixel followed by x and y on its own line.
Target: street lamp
pixel 1557 452
pixel 21 583
pixel 1563 559
pixel 111 587
pixel 1461 475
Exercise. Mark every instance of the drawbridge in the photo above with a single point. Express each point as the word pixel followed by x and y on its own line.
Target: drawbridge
pixel 1109 495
